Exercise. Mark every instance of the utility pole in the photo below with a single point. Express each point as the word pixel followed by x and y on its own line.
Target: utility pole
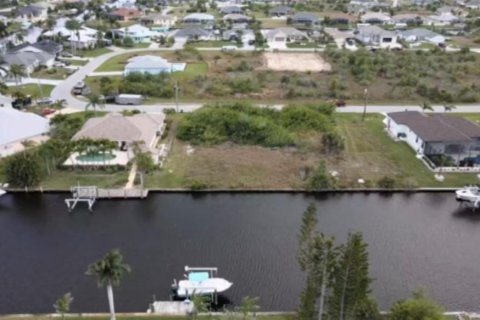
pixel 176 96
pixel 365 95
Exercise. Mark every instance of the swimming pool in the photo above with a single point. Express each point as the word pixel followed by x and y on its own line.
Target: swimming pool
pixel 95 157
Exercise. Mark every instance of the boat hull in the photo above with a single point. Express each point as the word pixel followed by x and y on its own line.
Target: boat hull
pixel 188 288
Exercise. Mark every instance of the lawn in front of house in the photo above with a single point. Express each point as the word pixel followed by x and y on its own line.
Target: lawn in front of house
pixel 270 23
pixel 92 53
pixel 77 62
pixel 33 90
pixel 66 178
pixel 52 73
pixel 302 45
pixel 213 44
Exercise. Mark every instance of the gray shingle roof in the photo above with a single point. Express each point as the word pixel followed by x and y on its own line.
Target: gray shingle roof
pixel 437 127
pixel 280 10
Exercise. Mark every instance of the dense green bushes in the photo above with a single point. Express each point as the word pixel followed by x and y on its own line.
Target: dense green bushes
pixel 246 124
pixel 159 86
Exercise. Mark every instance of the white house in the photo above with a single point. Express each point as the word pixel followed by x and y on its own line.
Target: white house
pixel 199 18
pixel 419 35
pixel 436 134
pixel 151 65
pixel 376 18
pixel 442 19
pixel 279 37
pixel 17 126
pixel 376 37
pixel 137 32
pixel 159 20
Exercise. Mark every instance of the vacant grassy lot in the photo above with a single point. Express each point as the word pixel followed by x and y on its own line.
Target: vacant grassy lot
pixel 118 63
pixel 370 154
pixel 77 62
pixel 212 44
pixel 34 90
pixel 91 53
pixel 53 73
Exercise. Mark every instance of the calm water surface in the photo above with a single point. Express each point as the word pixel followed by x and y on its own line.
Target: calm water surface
pixel 420 240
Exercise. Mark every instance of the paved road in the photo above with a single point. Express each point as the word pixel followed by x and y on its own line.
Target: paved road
pixel 63 92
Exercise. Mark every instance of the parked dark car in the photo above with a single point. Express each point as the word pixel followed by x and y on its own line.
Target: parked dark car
pixel 20 103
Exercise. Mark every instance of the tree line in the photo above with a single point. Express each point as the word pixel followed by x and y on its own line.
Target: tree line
pixel 338 280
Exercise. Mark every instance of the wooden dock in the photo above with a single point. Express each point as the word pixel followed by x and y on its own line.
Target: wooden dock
pixel 132 193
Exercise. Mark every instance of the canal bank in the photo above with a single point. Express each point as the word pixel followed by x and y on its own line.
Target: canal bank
pixel 415 240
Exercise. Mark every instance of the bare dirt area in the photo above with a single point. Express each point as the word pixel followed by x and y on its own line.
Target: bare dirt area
pixel 248 167
pixel 300 62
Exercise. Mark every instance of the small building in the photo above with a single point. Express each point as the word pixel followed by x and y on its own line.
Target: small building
pixel 376 37
pixel 17 126
pixel 138 33
pixel 419 35
pixel 30 60
pixel 305 18
pixel 231 10
pixel 30 13
pixel 280 11
pixel 199 18
pixel 279 37
pixel 151 65
pixel 243 35
pixel 159 20
pixel 375 18
pixel 437 134
pixel 126 14
pixel 237 18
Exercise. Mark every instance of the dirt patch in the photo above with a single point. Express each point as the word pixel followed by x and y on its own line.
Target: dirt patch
pixel 300 62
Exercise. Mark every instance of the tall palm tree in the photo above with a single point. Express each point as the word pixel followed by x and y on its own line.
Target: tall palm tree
pixel 74 26
pixel 94 101
pixel 109 271
pixel 17 71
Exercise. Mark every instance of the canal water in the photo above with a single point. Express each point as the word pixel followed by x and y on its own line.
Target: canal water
pixel 416 240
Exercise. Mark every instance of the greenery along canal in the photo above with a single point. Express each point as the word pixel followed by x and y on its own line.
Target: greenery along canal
pixel 417 240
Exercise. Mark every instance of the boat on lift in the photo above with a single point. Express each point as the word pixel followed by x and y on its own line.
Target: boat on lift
pixel 469 194
pixel 200 281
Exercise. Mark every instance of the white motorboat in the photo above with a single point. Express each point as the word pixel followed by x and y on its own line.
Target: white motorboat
pixel 468 193
pixel 200 281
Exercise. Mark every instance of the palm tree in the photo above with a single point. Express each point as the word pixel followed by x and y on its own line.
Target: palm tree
pixel 109 271
pixel 74 26
pixel 426 106
pixel 448 107
pixel 62 305
pixel 17 71
pixel 3 88
pixel 94 101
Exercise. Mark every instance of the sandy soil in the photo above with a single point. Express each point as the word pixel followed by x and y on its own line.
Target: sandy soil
pixel 300 62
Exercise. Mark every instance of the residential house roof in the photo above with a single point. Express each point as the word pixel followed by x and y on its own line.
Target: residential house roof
pixel 373 31
pixel 29 10
pixel 116 127
pixel 191 32
pixel 199 17
pixel 419 33
pixel 28 59
pixel 147 61
pixel 285 32
pixel 305 16
pixel 437 127
pixel 405 17
pixel 231 9
pixel 17 125
pixel 380 16
pixel 126 12
pixel 281 10
pixel 136 30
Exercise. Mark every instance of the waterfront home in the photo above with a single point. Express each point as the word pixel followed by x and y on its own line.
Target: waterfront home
pixel 231 10
pixel 126 14
pixel 165 21
pixel 138 33
pixel 280 11
pixel 151 65
pixel 30 14
pixel 375 18
pixel 305 18
pixel 127 131
pixel 237 18
pixel 436 135
pixel 18 126
pixel 420 35
pixel 376 37
pixel 199 18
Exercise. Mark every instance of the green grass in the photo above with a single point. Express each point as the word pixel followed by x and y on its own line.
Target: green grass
pixel 32 89
pixel 141 45
pixel 53 73
pixel 149 317
pixel 76 62
pixel 92 53
pixel 371 154
pixel 191 71
pixel 64 179
pixel 302 45
pixel 118 63
pixel 273 23
pixel 213 44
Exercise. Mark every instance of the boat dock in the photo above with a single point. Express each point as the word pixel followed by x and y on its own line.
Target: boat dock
pixel 171 308
pixel 90 194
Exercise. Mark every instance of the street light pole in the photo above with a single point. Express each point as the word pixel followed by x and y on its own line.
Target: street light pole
pixel 365 95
